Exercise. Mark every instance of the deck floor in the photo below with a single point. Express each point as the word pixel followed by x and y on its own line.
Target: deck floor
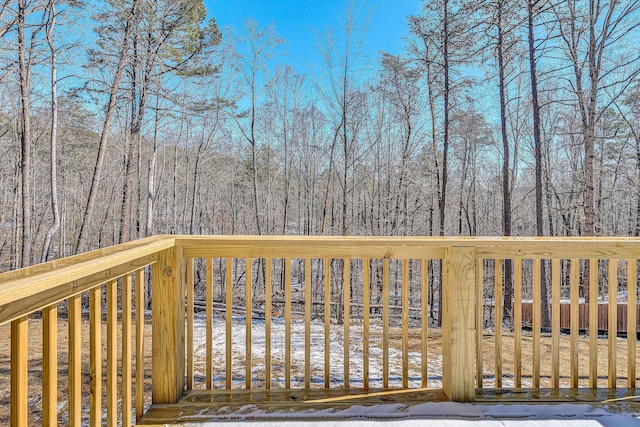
pixel 200 406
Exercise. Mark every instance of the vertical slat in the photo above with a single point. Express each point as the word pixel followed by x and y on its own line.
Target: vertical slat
pixel 75 361
pixel 632 277
pixel 405 323
pixel 248 320
pixel 208 280
pixel 267 324
pixel 19 372
pixel 307 322
pixel 573 327
pixel 535 380
pixel 517 322
pixel 366 297
pixel 613 321
pixel 555 323
pixel 50 366
pixel 95 356
pixel 327 321
pixel 228 317
pixel 593 323
pixel 112 354
pixel 190 321
pixel 498 321
pixel 385 323
pixel 126 350
pixel 479 322
pixel 140 306
pixel 424 306
pixel 287 323
pixel 346 279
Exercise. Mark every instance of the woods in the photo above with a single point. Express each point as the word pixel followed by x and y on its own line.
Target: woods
pixel 129 118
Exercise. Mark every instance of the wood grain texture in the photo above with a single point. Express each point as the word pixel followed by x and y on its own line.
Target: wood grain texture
pixel 248 298
pixel 517 322
pixel 366 296
pixel 537 284
pixel 228 315
pixel 127 395
pixel 287 323
pixel 209 326
pixel 75 361
pixel 190 321
pixel 632 296
pixel 424 302
pixel 307 322
pixel 140 307
pixel 95 356
pixel 555 323
pixel 20 372
pixel 479 322
pixel 385 323
pixel 50 366
pixel 613 321
pixel 498 284
pixel 458 332
pixel 593 323
pixel 112 354
pixel 327 321
pixel 575 285
pixel 267 323
pixel 346 286
pixel 405 323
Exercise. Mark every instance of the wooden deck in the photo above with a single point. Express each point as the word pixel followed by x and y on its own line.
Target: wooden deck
pixel 201 406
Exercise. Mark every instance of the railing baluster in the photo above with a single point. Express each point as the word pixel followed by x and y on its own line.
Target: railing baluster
pixel 208 280
pixel 50 366
pixel 575 280
pixel 307 322
pixel 190 320
pixel 632 326
pixel 327 321
pixel 498 322
pixel 385 323
pixel 366 309
pixel 536 322
pixel 346 278
pixel 287 323
pixel 248 319
pixel 517 322
pixel 19 371
pixel 267 324
pixel 555 323
pixel 593 323
pixel 405 323
pixel 112 353
pixel 126 350
pixel 95 356
pixel 75 361
pixel 228 318
pixel 613 321
pixel 424 305
pixel 140 308
pixel 479 321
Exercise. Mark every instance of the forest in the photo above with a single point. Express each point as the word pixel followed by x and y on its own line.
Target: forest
pixel 126 118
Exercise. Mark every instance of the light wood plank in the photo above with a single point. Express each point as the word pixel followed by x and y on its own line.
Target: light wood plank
pixel 287 323
pixel 366 311
pixel 127 396
pixel 50 366
pixel 75 361
pixel 573 327
pixel 593 323
pixel 424 301
pixel 517 322
pixel 112 354
pixel 498 321
pixel 613 322
pixel 555 323
pixel 190 321
pixel 385 323
pixel 536 324
pixel 346 280
pixel 405 323
pixel 632 300
pixel 307 322
pixel 208 295
pixel 458 331
pixel 140 307
pixel 248 319
pixel 267 323
pixel 20 372
pixel 479 322
pixel 228 283
pixel 327 321
pixel 95 356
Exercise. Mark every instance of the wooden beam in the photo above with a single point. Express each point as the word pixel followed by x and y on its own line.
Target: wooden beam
pixel 19 372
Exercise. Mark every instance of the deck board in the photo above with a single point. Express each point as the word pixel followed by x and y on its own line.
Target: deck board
pixel 199 406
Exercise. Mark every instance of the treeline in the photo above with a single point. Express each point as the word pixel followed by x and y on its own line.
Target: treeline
pixel 123 119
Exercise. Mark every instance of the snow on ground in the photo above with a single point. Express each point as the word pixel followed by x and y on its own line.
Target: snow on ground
pixel 356 375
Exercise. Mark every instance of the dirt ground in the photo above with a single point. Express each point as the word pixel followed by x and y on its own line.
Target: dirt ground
pixel 435 346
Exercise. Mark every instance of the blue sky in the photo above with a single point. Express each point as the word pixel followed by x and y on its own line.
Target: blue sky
pixel 297 20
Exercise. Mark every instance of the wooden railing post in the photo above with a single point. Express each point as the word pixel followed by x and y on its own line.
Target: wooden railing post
pixel 167 304
pixel 458 323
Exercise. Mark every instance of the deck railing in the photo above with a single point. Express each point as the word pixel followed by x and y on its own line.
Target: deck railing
pixel 283 312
